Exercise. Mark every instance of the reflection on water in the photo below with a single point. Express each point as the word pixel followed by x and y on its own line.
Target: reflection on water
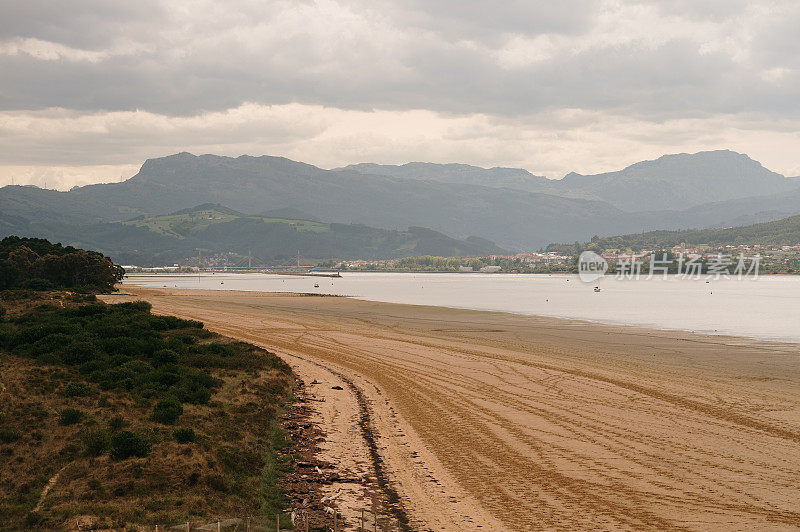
pixel 768 307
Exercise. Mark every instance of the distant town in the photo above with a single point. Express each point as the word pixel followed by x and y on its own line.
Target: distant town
pixel 773 259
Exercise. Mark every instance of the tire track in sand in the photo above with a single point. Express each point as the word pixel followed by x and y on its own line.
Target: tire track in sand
pixel 520 423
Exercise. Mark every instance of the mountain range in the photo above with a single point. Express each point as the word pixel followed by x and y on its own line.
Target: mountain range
pixel 512 207
pixel 671 182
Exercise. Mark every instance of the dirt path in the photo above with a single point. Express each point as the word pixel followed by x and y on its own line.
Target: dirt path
pixel 495 421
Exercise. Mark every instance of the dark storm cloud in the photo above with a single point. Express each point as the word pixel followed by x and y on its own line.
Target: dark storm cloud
pixel 449 56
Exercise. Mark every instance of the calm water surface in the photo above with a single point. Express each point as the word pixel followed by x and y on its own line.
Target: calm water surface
pixel 767 308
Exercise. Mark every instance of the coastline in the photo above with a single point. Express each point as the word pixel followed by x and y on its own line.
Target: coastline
pixel 514 421
pixel 671 305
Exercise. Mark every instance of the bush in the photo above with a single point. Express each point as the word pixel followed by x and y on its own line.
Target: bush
pixel 96 442
pixel 70 416
pixel 8 435
pixel 164 356
pixel 184 435
pixel 37 284
pixel 167 412
pixel 127 444
pixel 136 306
pixel 116 423
pixel 78 352
pixel 75 389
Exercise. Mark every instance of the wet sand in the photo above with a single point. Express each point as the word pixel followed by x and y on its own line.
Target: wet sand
pixel 497 421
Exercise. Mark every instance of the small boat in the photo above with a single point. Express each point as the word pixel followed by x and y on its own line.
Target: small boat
pixel 596 288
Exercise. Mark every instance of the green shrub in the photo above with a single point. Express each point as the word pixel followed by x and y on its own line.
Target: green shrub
pixel 136 306
pixel 76 389
pixel 70 416
pixel 96 441
pixel 184 435
pixel 167 412
pixel 9 435
pixel 127 444
pixel 116 423
pixel 38 284
pixel 164 356
pixel 78 352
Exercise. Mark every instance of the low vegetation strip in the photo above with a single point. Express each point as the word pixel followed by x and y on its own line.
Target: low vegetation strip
pixel 148 419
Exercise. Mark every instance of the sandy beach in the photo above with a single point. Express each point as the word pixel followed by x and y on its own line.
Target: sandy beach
pixel 496 421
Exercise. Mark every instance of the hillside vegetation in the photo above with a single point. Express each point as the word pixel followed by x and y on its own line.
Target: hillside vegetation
pixel 216 229
pixel 785 232
pixel 132 417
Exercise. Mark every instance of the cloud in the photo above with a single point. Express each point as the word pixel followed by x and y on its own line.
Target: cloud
pixel 457 57
pixel 98 82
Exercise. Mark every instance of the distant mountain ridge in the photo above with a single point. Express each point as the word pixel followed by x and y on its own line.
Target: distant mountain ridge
pixel 682 181
pixel 261 184
pixel 676 181
pixel 512 207
pixel 517 178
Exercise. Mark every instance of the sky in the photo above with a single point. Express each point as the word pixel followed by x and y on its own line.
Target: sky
pixel 89 89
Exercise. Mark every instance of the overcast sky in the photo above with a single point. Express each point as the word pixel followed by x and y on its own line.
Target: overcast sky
pixel 89 89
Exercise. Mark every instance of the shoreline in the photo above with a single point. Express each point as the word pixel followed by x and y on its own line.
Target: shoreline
pixel 516 421
pixel 587 321
pixel 314 273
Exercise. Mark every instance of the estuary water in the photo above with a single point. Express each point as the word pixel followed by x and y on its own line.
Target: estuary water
pixel 766 308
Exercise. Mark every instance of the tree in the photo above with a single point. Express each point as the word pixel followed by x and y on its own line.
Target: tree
pixel 36 263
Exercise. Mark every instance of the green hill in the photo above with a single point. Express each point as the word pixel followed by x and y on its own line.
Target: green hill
pixel 212 228
pixel 784 232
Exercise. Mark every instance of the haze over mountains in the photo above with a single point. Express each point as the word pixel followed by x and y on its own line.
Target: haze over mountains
pixel 671 182
pixel 512 207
